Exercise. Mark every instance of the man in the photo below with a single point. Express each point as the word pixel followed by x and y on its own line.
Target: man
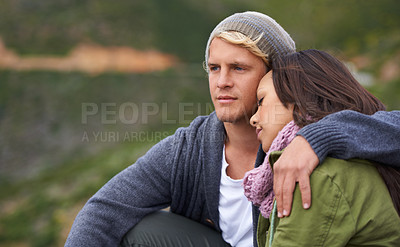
pixel 197 171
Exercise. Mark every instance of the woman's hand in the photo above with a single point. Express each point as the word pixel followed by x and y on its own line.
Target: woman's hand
pixel 296 164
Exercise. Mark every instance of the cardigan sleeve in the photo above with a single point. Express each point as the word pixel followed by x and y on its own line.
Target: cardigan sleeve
pixel 140 189
pixel 349 134
pixel 327 223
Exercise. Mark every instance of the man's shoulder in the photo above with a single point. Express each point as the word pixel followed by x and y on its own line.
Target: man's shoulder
pixel 210 120
pixel 208 125
pixel 207 129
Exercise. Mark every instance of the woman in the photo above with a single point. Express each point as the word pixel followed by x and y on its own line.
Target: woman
pixel 355 202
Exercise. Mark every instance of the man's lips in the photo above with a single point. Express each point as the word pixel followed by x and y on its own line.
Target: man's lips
pixel 226 99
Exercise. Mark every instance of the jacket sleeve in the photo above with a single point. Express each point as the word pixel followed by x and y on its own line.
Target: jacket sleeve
pixel 349 134
pixel 140 189
pixel 327 223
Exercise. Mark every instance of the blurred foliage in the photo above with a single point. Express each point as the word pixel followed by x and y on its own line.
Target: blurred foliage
pixel 42 112
pixel 47 171
pixel 182 27
pixel 355 26
pixel 38 210
pixel 388 93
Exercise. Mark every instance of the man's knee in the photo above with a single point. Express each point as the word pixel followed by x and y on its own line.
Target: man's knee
pixel 167 229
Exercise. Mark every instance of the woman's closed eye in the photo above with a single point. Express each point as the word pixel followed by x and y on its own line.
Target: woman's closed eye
pixel 259 102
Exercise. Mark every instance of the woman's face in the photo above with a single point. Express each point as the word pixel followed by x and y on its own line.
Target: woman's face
pixel 271 115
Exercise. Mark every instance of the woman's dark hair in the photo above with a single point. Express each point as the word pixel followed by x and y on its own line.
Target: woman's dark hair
pixel 317 84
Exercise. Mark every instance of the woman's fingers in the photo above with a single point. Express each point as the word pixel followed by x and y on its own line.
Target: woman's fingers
pixel 294 165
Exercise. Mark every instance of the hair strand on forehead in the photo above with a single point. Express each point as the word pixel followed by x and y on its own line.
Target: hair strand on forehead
pixel 242 40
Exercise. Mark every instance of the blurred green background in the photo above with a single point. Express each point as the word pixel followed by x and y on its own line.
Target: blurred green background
pixel 56 150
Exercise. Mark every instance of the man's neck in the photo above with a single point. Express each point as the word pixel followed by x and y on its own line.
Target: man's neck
pixel 241 148
pixel 241 136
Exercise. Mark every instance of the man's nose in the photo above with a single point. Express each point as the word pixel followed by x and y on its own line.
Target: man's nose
pixel 224 79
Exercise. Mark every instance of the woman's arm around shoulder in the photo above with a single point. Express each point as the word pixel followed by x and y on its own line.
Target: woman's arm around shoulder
pixel 349 134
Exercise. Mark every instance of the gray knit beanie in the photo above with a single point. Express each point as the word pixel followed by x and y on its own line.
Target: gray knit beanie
pixel 274 41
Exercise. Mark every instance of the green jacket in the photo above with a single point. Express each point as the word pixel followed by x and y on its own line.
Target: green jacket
pixel 351 206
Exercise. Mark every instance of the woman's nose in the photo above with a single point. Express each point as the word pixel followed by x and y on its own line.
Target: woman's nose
pixel 254 119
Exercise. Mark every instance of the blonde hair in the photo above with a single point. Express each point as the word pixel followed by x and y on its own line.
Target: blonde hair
pixel 237 38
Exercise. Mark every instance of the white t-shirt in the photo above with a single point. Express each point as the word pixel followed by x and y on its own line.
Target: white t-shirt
pixel 235 211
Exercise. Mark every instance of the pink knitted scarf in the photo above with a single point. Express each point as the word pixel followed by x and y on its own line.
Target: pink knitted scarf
pixel 258 183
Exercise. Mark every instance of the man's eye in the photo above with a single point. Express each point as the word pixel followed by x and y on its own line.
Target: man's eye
pixel 214 68
pixel 260 101
pixel 239 68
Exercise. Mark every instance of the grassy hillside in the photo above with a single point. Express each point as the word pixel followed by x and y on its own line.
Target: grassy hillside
pixel 39 211
pixel 56 151
pixel 46 116
pixel 182 27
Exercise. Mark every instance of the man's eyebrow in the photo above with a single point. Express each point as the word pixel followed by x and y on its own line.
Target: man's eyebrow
pixel 240 64
pixel 233 64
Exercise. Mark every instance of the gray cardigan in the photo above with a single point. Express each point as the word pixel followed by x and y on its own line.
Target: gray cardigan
pixel 183 171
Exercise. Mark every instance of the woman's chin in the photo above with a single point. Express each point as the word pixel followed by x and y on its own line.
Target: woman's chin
pixel 266 145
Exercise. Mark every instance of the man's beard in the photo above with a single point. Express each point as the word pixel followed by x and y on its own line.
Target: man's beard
pixel 239 116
